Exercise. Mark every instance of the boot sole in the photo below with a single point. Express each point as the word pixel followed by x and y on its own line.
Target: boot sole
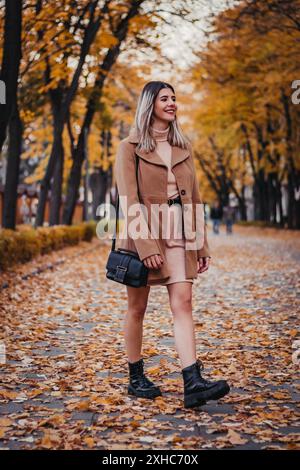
pixel 143 394
pixel 200 398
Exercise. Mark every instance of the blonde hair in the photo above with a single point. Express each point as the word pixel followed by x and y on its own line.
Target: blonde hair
pixel 143 119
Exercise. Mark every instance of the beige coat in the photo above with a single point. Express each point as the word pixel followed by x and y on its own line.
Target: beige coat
pixel 152 177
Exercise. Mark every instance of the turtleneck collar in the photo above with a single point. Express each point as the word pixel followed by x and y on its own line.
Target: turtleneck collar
pixel 160 135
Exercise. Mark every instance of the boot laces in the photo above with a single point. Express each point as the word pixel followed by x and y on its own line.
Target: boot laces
pixel 200 367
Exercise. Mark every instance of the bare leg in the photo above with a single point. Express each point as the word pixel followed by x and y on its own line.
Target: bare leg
pixel 180 296
pixel 133 322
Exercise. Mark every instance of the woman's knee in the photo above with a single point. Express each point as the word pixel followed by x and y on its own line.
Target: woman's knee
pixel 137 301
pixel 181 304
pixel 137 311
pixel 137 307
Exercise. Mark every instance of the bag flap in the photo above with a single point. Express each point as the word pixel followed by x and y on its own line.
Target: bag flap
pixel 134 266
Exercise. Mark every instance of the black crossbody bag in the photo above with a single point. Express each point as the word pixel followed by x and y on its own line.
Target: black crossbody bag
pixel 124 266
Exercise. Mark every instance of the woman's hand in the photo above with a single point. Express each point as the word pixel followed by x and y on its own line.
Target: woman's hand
pixel 203 264
pixel 153 261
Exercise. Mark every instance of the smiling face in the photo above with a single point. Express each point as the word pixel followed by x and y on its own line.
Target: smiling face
pixel 165 107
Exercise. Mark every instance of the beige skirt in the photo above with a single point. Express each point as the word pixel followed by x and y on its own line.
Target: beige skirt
pixel 174 249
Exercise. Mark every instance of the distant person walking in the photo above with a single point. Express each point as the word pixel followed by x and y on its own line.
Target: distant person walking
pixel 228 218
pixel 216 216
pixel 25 210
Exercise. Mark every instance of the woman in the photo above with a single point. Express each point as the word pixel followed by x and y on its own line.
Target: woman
pixel 166 178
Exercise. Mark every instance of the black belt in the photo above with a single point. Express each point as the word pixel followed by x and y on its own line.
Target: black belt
pixel 176 200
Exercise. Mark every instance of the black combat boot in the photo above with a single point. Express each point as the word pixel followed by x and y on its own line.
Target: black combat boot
pixel 197 390
pixel 140 385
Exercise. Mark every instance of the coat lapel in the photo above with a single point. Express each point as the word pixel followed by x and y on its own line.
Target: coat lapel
pixel 178 154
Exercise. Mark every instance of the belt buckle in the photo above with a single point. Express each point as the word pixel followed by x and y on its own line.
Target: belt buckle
pixel 175 200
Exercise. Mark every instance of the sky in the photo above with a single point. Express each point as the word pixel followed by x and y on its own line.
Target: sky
pixel 182 37
pixel 179 39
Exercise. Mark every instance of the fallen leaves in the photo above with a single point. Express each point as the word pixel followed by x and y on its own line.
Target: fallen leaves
pixel 50 440
pixel 64 384
pixel 235 438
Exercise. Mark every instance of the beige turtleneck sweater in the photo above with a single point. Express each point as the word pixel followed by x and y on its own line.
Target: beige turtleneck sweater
pixel 164 150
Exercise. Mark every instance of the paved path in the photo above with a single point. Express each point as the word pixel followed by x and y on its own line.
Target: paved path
pixel 65 377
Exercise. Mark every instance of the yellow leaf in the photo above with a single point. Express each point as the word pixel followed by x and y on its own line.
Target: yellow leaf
pixel 89 442
pixel 5 422
pixel 83 405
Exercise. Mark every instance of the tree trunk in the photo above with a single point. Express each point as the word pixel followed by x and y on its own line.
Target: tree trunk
pixel 242 208
pixel 15 130
pixel 271 214
pixel 56 190
pixel 279 202
pixel 12 53
pixel 73 185
pixel 98 185
pixel 45 184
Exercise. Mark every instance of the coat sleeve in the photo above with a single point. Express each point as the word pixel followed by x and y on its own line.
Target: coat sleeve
pixel 125 177
pixel 204 251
